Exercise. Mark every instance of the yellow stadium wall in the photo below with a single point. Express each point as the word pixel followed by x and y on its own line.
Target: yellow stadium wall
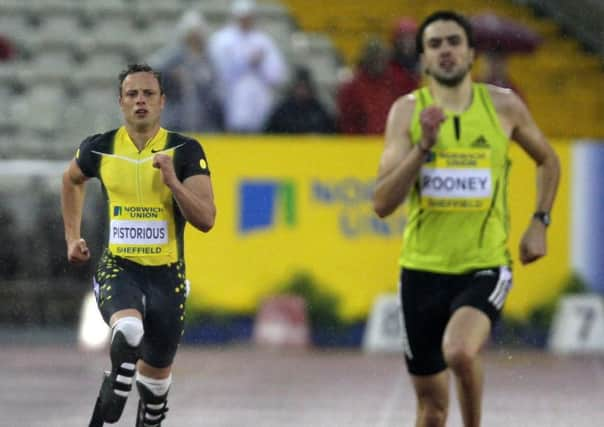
pixel 339 242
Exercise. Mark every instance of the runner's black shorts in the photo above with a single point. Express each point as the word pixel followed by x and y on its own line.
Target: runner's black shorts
pixel 158 292
pixel 428 301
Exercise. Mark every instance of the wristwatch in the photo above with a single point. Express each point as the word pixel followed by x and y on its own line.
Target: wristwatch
pixel 543 217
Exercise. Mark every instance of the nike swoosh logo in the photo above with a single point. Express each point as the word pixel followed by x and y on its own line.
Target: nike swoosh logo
pixel 166 149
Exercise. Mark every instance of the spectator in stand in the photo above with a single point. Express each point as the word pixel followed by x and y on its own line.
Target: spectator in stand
pixel 250 68
pixel 189 79
pixel 404 59
pixel 7 50
pixel 301 111
pixel 496 71
pixel 364 101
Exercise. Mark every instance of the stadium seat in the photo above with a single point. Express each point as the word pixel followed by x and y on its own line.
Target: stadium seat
pixel 318 54
pixel 16 26
pixel 10 72
pixel 61 29
pixel 40 108
pixel 99 107
pixel 99 10
pixel 52 65
pixel 118 32
pixel 8 123
pixel 154 37
pixel 165 9
pixel 100 68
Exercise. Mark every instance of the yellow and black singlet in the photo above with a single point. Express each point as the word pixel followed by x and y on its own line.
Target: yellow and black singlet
pixel 457 208
pixel 145 224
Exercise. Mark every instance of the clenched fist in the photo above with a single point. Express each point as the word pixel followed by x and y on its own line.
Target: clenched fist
pixel 533 244
pixel 164 163
pixel 430 120
pixel 77 251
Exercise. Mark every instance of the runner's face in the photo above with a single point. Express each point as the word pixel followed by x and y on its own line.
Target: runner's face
pixel 447 57
pixel 141 101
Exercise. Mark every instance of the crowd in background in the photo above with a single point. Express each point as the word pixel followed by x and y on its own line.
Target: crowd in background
pixel 237 80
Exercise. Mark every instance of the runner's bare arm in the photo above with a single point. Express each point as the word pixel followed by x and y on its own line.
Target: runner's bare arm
pixel 523 129
pixel 531 139
pixel 194 195
pixel 401 160
pixel 196 201
pixel 526 133
pixel 73 191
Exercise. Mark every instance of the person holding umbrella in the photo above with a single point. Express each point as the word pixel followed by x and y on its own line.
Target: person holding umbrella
pixel 498 38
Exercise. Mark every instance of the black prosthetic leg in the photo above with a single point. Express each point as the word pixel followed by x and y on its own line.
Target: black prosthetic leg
pixel 117 383
pixel 151 408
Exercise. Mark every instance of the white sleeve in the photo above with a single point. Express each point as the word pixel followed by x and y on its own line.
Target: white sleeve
pixel 273 68
pixel 220 62
pixel 214 48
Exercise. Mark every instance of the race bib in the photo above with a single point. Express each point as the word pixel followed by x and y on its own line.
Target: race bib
pixel 138 230
pixel 457 180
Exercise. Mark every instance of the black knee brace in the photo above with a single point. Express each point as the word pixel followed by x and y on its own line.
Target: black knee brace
pixel 118 383
pixel 151 408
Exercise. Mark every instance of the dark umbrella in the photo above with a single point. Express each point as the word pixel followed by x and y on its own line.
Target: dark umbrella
pixel 494 33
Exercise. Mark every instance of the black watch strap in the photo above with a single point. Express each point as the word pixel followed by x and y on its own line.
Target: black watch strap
pixel 543 216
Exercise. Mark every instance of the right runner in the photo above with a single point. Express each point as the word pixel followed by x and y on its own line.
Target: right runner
pixel 446 150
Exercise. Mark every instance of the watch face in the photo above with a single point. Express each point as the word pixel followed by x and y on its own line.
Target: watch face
pixel 543 217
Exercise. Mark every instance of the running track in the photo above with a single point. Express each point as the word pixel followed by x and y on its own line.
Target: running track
pixel 47 385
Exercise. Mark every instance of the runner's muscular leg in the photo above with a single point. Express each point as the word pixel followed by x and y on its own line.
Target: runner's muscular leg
pixel 465 335
pixel 142 367
pixel 153 386
pixel 153 372
pixel 128 312
pixel 432 392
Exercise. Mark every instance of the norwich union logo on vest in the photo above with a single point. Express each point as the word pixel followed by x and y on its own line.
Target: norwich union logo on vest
pixel 137 212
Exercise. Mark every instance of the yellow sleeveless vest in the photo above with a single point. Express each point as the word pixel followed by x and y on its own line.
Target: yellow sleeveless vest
pixel 457 209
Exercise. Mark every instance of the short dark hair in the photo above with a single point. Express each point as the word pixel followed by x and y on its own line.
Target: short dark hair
pixel 140 68
pixel 443 15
